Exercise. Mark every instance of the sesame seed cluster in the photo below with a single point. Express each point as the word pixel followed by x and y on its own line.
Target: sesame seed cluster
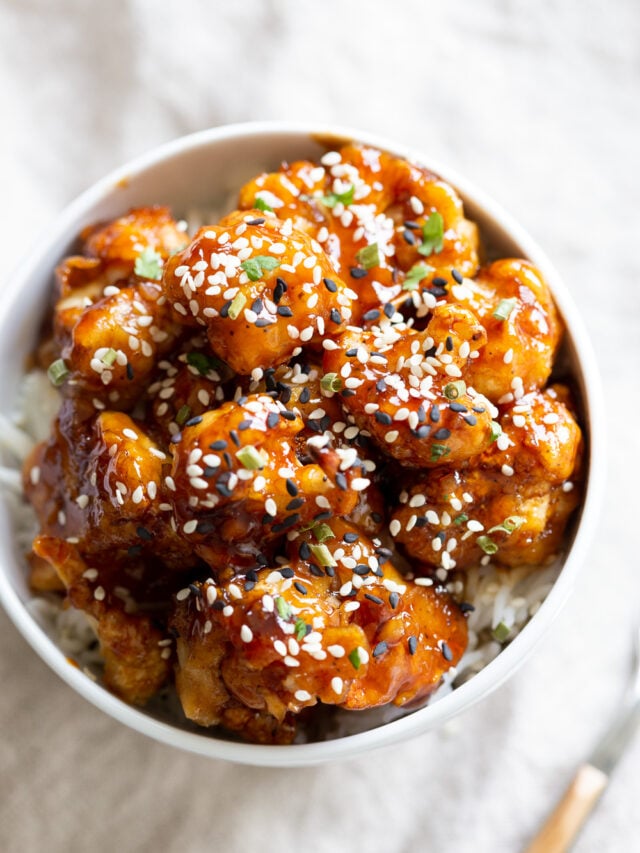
pixel 283 439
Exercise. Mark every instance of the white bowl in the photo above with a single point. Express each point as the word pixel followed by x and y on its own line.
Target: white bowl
pixel 193 171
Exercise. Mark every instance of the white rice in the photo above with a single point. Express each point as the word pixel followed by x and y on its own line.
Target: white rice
pixel 505 598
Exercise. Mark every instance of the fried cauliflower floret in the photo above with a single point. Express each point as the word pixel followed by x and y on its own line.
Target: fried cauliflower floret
pixel 404 389
pixel 123 240
pixel 100 481
pixel 239 483
pixel 259 287
pixel 513 302
pixel 338 624
pixel 512 503
pixel 377 216
pixel 136 663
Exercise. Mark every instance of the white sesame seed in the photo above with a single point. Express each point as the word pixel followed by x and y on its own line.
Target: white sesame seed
pixel 99 593
pixel 336 651
pixel 137 495
pixel 423 582
pixel 291 661
pixel 391 436
pixel 551 418
pixel 246 634
pixel 227 611
pixel 350 606
pixel 82 501
pixel 302 695
pixel 90 574
pixel 337 685
pixel 567 487
pixel 280 647
pixel 183 593
pixel 190 526
pixel 507 470
pixel 395 527
pixel 270 507
pixel 34 475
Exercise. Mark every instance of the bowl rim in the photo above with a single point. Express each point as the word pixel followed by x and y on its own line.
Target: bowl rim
pixel 507 661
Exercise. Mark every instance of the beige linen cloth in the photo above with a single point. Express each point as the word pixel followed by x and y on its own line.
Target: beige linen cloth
pixel 538 103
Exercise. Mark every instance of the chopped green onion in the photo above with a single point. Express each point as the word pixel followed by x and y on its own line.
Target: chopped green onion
pixel 354 657
pixel 283 607
pixel 323 555
pixel 496 430
pixel 301 629
pixel 331 199
pixel 251 458
pixel 513 522
pixel 505 307
pixel 453 390
pixel 501 632
pixel 487 545
pixel 58 371
pixel 183 415
pixel 261 204
pixel 438 451
pixel 322 532
pixel 415 275
pixel 369 257
pixel 202 362
pixel 239 301
pixel 148 264
pixel 460 519
pixel 331 382
pixel 259 264
pixel 109 357
pixel 432 235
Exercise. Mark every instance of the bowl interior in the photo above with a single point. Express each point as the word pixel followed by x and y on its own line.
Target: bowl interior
pixel 204 172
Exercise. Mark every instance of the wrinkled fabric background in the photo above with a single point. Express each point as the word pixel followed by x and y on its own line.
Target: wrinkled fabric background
pixel 539 104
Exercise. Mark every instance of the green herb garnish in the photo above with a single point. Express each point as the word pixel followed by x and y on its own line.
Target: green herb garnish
pixel 323 555
pixel 432 235
pixel 251 458
pixel 322 532
pixel 256 266
pixel 331 199
pixel 438 451
pixel 453 390
pixel 460 519
pixel 284 608
pixel 354 657
pixel 369 256
pixel 513 522
pixel 331 382
pixel 505 307
pixel 496 430
pixel 109 357
pixel 238 303
pixel 487 545
pixel 148 264
pixel 301 629
pixel 501 632
pixel 416 274
pixel 184 412
pixel 58 372
pixel 261 204
pixel 202 362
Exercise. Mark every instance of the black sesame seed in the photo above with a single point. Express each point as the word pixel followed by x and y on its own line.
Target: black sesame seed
pixel 305 396
pixel 381 386
pixel 249 585
pixel 225 491
pixel 176 438
pixel 361 569
pixel 479 410
pixel 410 223
pixel 259 221
pixel 350 537
pixel 257 305
pixel 227 459
pixel 394 598
pixel 422 416
pixel 370 316
pixel 218 604
pixel 284 392
pixel 377 518
pixel 358 272
pixel 465 607
pixel 412 642
pixel 434 414
pixel 285 311
pixel 261 322
pixel 409 237
pixel 244 425
pixel 431 352
pixel 321 516
pixel 447 654
pixel 389 310
pixel 458 407
pixel 341 481
pixel 291 488
pixel 348 392
pixel 220 444
pixel 288 416
pixel 329 571
pixel 235 437
pixel 224 311
pixel 336 316
pixel 305 551
pixel 383 418
pixel 195 589
pixel 350 353
pixel 315 570
pixel 376 599
pixel 287 572
pixel 301 589
pixel 439 282
pixel 449 343
pixel 423 431
pixel 470 419
pixel 129 371
pixel 194 421
pixel 457 276
pixel 296 503
pixel 330 284
pixel 145 534
pixel 442 434
pixel 380 649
